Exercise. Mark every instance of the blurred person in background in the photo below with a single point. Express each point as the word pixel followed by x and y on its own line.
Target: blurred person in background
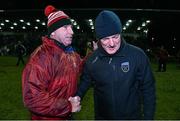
pixel 162 59
pixel 20 52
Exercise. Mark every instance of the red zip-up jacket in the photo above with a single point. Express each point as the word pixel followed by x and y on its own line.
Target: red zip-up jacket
pixel 48 80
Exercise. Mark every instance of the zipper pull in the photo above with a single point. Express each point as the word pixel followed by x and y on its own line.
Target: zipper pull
pixel 95 60
pixel 110 60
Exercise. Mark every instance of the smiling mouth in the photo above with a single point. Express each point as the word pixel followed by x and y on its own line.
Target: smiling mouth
pixel 111 48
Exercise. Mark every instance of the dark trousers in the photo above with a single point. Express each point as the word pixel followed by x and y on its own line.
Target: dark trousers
pixel 162 65
pixel 20 59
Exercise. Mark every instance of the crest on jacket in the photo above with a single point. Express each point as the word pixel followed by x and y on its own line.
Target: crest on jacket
pixel 125 66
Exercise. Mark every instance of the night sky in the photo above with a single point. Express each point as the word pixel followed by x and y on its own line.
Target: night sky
pixel 165 14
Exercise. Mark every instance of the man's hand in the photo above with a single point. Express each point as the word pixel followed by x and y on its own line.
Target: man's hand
pixel 95 45
pixel 75 102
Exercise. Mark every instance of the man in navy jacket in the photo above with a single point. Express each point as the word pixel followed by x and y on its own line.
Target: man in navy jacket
pixel 124 85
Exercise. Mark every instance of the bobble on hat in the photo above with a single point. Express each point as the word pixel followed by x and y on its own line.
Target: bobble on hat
pixel 107 23
pixel 49 9
pixel 56 18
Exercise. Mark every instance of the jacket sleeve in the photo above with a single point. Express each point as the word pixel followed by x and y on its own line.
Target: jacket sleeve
pixel 36 96
pixel 147 85
pixel 85 82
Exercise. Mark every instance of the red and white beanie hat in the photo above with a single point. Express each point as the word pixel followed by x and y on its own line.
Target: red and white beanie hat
pixel 56 18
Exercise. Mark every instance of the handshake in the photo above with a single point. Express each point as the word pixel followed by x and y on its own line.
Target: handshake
pixel 75 102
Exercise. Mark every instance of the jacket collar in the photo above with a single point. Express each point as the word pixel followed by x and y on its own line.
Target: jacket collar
pixel 67 49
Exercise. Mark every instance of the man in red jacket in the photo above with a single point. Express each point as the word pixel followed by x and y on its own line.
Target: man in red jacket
pixel 50 77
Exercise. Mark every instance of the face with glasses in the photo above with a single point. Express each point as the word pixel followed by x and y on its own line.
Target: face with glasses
pixel 111 43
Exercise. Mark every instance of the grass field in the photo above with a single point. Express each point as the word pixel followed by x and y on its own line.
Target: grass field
pixel 11 106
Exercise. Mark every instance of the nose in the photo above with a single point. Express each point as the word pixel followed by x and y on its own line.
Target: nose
pixel 111 42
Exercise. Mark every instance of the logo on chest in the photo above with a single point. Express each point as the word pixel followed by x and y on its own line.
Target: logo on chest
pixel 125 66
